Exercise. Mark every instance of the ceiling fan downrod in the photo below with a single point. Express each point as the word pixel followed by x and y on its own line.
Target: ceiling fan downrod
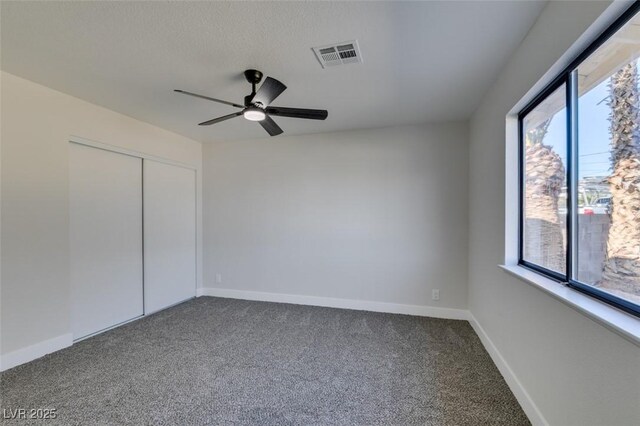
pixel 253 77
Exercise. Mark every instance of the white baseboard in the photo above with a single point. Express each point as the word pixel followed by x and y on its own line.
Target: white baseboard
pixel 331 302
pixel 523 397
pixel 35 351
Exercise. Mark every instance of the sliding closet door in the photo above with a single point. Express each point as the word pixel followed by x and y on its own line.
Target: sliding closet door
pixel 169 235
pixel 105 215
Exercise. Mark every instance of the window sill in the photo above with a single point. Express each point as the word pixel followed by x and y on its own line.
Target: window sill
pixel 616 320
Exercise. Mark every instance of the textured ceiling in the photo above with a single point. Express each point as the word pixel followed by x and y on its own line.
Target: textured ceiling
pixel 423 61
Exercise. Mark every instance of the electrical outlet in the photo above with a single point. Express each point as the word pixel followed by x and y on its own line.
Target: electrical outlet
pixel 435 294
pixel 218 278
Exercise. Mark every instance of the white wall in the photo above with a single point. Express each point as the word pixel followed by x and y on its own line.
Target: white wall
pixel 375 215
pixel 576 371
pixel 36 125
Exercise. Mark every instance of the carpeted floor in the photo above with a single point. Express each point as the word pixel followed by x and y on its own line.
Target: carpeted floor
pixel 226 361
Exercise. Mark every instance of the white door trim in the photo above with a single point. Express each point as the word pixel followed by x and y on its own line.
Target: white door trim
pixel 126 151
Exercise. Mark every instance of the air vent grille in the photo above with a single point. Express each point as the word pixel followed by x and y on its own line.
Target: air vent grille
pixel 343 53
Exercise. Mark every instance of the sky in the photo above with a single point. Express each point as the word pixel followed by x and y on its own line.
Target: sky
pixel 593 132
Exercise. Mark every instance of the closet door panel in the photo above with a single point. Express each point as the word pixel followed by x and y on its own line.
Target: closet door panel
pixel 169 235
pixel 105 214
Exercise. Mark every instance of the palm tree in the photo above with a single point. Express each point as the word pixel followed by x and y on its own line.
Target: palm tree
pixel 544 175
pixel 621 269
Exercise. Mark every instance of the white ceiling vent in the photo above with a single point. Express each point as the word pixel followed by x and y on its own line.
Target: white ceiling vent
pixel 343 53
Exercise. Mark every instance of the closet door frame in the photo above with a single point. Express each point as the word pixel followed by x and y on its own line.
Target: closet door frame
pixel 143 156
pixel 120 150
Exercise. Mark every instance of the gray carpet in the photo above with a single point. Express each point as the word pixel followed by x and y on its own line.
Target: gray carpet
pixel 226 361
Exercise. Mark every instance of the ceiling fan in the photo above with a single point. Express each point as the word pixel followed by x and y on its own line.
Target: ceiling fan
pixel 257 104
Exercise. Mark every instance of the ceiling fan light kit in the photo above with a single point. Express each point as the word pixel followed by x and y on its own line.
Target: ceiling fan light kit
pixel 254 114
pixel 257 104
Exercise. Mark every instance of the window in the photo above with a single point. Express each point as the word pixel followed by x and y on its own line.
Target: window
pixel 545 178
pixel 580 171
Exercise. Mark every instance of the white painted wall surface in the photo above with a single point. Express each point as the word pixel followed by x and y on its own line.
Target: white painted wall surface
pixel 36 125
pixel 576 371
pixel 373 215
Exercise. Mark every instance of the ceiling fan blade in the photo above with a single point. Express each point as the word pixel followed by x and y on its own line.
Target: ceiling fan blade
pixel 311 114
pixel 208 98
pixel 219 119
pixel 270 89
pixel 270 126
